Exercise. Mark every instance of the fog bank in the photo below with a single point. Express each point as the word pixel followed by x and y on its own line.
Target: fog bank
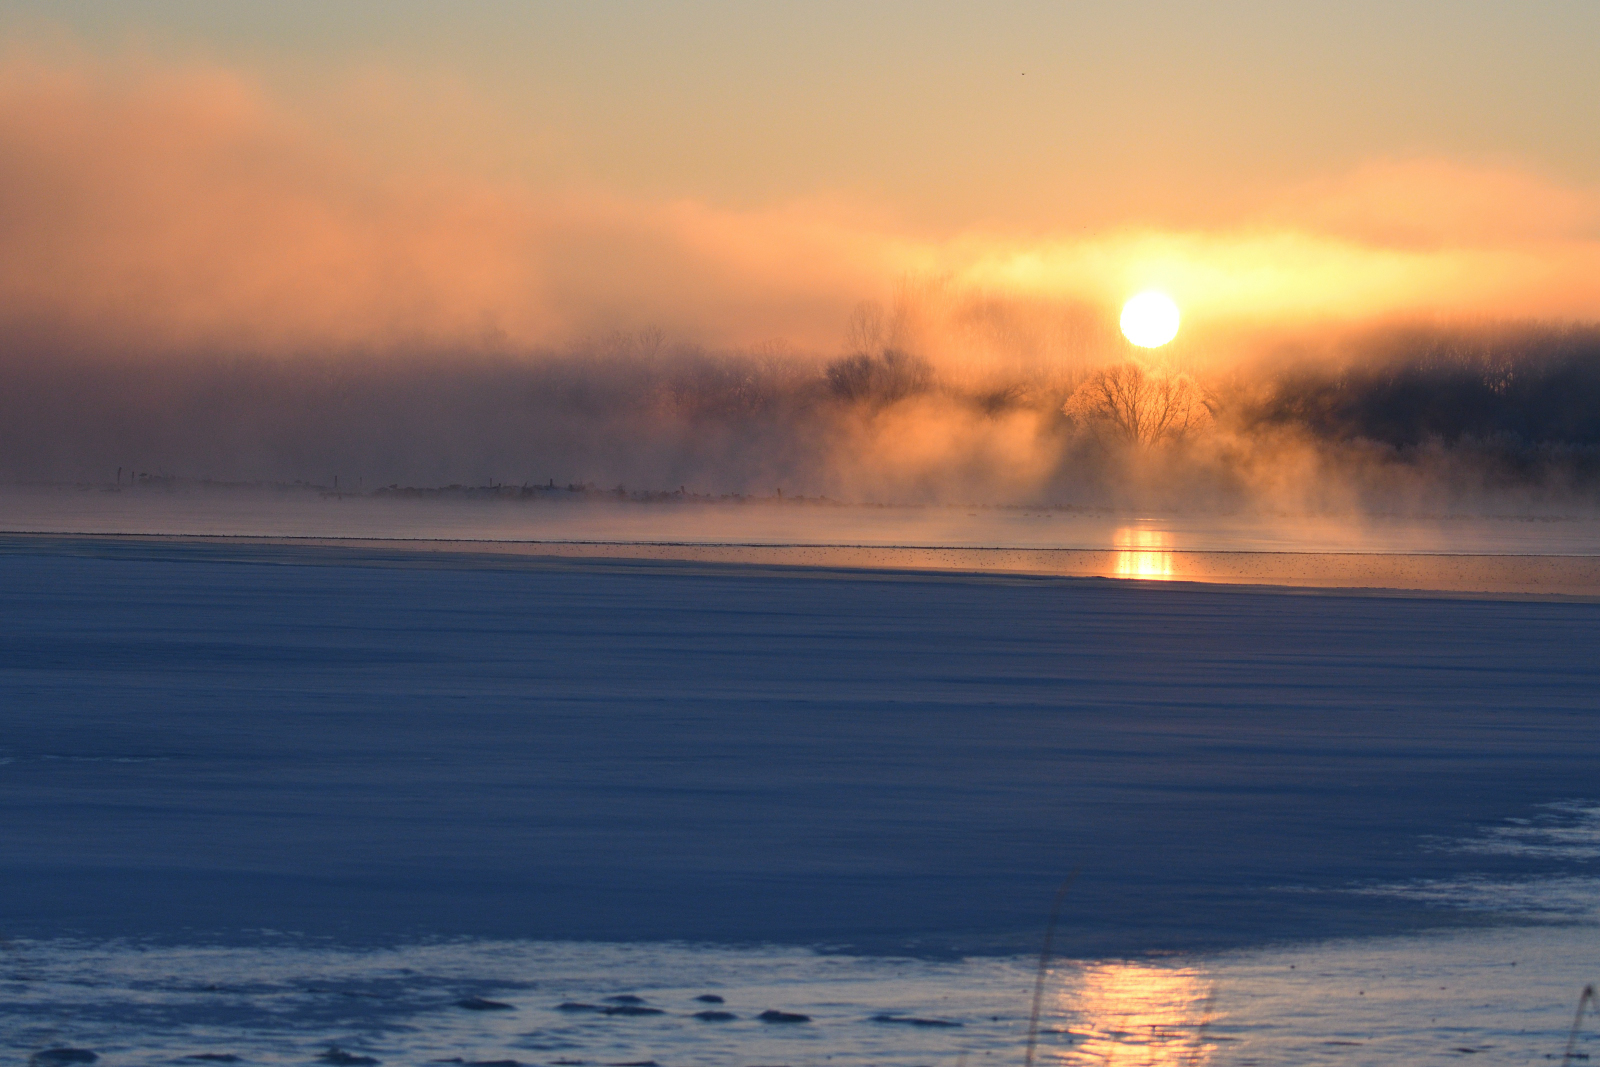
pixel 1403 418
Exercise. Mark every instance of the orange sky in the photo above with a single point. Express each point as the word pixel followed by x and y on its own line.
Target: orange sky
pixel 528 174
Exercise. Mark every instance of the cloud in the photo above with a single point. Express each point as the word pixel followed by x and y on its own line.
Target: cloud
pixel 161 207
pixel 149 205
pixel 1423 237
pixel 1429 204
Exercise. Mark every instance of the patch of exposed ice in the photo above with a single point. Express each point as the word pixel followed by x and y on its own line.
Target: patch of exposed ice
pixel 1565 830
pixel 1549 898
pixel 1506 996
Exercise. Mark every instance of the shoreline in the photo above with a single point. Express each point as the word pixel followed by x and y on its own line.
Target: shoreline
pixel 1566 577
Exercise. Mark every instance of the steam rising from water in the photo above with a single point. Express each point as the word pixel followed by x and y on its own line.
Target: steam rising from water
pixel 920 412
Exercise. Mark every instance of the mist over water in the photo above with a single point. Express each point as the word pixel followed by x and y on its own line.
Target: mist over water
pixel 915 410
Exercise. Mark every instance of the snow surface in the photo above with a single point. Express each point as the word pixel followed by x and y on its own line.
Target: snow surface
pixel 201 742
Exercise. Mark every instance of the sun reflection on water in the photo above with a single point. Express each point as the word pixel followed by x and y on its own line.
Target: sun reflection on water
pixel 1130 1013
pixel 1143 553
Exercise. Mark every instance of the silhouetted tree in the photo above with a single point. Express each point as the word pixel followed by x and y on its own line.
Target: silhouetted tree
pixel 1140 405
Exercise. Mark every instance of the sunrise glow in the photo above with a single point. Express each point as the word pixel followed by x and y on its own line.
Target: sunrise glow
pixel 1150 319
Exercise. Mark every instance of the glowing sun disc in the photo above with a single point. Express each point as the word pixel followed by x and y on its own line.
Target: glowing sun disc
pixel 1150 319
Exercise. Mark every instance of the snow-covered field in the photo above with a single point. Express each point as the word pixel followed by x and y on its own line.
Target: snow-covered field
pixel 258 799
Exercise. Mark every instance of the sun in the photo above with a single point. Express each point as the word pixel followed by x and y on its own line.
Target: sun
pixel 1150 319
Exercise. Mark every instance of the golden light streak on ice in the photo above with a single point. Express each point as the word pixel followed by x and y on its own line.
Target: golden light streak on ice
pixel 1130 1013
pixel 1143 553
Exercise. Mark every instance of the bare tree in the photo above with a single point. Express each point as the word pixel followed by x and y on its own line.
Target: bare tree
pixel 650 341
pixel 884 378
pixel 1141 405
pixel 878 369
pixel 865 332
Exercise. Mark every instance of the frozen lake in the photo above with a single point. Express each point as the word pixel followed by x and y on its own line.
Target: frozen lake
pixel 257 799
